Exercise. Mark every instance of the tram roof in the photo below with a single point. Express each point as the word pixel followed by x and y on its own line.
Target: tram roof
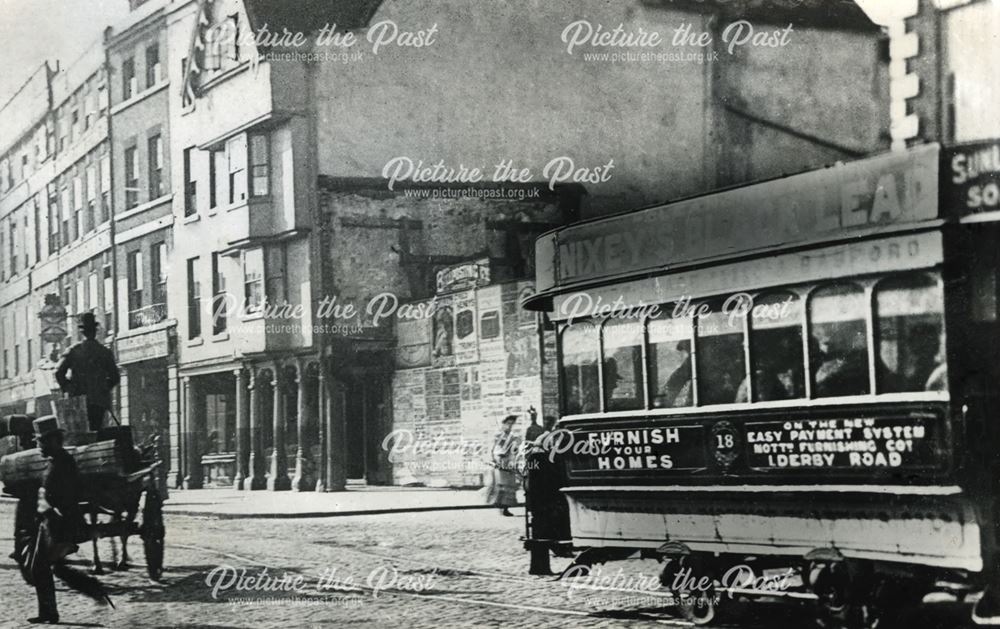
pixel 881 194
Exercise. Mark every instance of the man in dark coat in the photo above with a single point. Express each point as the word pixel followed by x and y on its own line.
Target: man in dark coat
pixel 93 372
pixel 61 526
pixel 534 431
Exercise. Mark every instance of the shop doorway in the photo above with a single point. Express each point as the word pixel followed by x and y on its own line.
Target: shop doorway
pixel 366 396
pixel 149 404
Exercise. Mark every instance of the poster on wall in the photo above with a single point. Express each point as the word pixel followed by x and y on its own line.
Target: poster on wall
pixel 525 318
pixel 490 323
pixel 463 276
pixel 466 337
pixel 522 353
pixel 443 349
pixel 413 347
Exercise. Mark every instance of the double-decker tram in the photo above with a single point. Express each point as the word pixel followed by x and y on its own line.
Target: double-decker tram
pixel 795 374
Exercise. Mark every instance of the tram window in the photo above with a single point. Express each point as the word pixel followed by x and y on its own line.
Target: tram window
pixel 911 335
pixel 720 358
pixel 579 368
pixel 622 339
pixel 838 345
pixel 670 362
pixel 776 348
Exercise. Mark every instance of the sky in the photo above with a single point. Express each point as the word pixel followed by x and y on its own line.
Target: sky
pixel 32 31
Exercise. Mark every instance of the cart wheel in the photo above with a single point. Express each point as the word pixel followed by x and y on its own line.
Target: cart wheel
pixel 153 533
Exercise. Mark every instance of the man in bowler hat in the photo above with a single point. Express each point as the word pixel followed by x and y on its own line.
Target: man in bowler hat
pixel 93 372
pixel 61 526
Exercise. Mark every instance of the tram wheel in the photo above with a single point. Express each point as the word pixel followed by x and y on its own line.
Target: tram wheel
pixel 698 609
pixel 841 601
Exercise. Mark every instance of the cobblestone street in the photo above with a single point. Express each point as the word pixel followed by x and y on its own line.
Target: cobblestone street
pixel 449 569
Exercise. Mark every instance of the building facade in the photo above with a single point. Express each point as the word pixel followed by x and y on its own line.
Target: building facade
pixel 212 199
pixel 145 341
pixel 243 220
pixel 416 263
pixel 57 206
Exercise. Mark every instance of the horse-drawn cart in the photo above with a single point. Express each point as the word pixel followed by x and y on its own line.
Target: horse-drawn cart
pixel 117 481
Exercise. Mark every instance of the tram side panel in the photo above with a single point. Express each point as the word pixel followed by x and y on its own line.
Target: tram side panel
pixel 721 484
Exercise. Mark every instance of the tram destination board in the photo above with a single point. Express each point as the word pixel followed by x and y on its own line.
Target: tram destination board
pixel 846 443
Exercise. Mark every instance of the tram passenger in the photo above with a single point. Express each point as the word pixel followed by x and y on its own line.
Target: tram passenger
pixel 767 386
pixel 611 381
pixel 676 390
pixel 582 389
pixel 938 380
pixel 843 363
pixel 777 373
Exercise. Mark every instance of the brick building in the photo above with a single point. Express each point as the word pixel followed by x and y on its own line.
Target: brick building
pixel 180 185
pixel 145 342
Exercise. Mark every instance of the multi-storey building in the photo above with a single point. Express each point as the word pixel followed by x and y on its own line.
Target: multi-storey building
pixel 243 234
pixel 673 120
pixel 247 187
pixel 86 220
pixel 56 200
pixel 145 341
pixel 26 169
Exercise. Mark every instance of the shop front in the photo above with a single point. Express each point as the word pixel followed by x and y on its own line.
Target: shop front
pixel 148 388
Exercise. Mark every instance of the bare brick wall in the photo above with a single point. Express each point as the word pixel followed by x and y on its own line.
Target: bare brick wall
pixel 668 126
pixel 365 238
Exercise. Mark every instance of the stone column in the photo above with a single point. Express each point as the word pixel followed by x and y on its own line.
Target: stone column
pixel 321 419
pixel 336 476
pixel 278 479
pixel 123 406
pixel 242 429
pixel 176 439
pixel 255 464
pixel 303 478
pixel 192 433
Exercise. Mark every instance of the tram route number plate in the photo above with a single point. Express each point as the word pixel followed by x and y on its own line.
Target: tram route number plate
pixel 638 449
pixel 842 443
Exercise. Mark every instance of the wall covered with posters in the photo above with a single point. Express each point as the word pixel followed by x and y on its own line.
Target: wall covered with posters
pixel 459 372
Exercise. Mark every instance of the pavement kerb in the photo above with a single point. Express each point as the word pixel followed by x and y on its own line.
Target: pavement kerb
pixel 209 513
pixel 317 514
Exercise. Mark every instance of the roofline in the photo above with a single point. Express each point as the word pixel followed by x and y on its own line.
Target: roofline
pixel 48 80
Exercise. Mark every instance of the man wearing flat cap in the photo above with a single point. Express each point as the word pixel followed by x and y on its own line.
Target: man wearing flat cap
pixel 61 526
pixel 92 372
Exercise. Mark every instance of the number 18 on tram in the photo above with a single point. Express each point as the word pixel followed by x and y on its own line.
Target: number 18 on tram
pixel 796 373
